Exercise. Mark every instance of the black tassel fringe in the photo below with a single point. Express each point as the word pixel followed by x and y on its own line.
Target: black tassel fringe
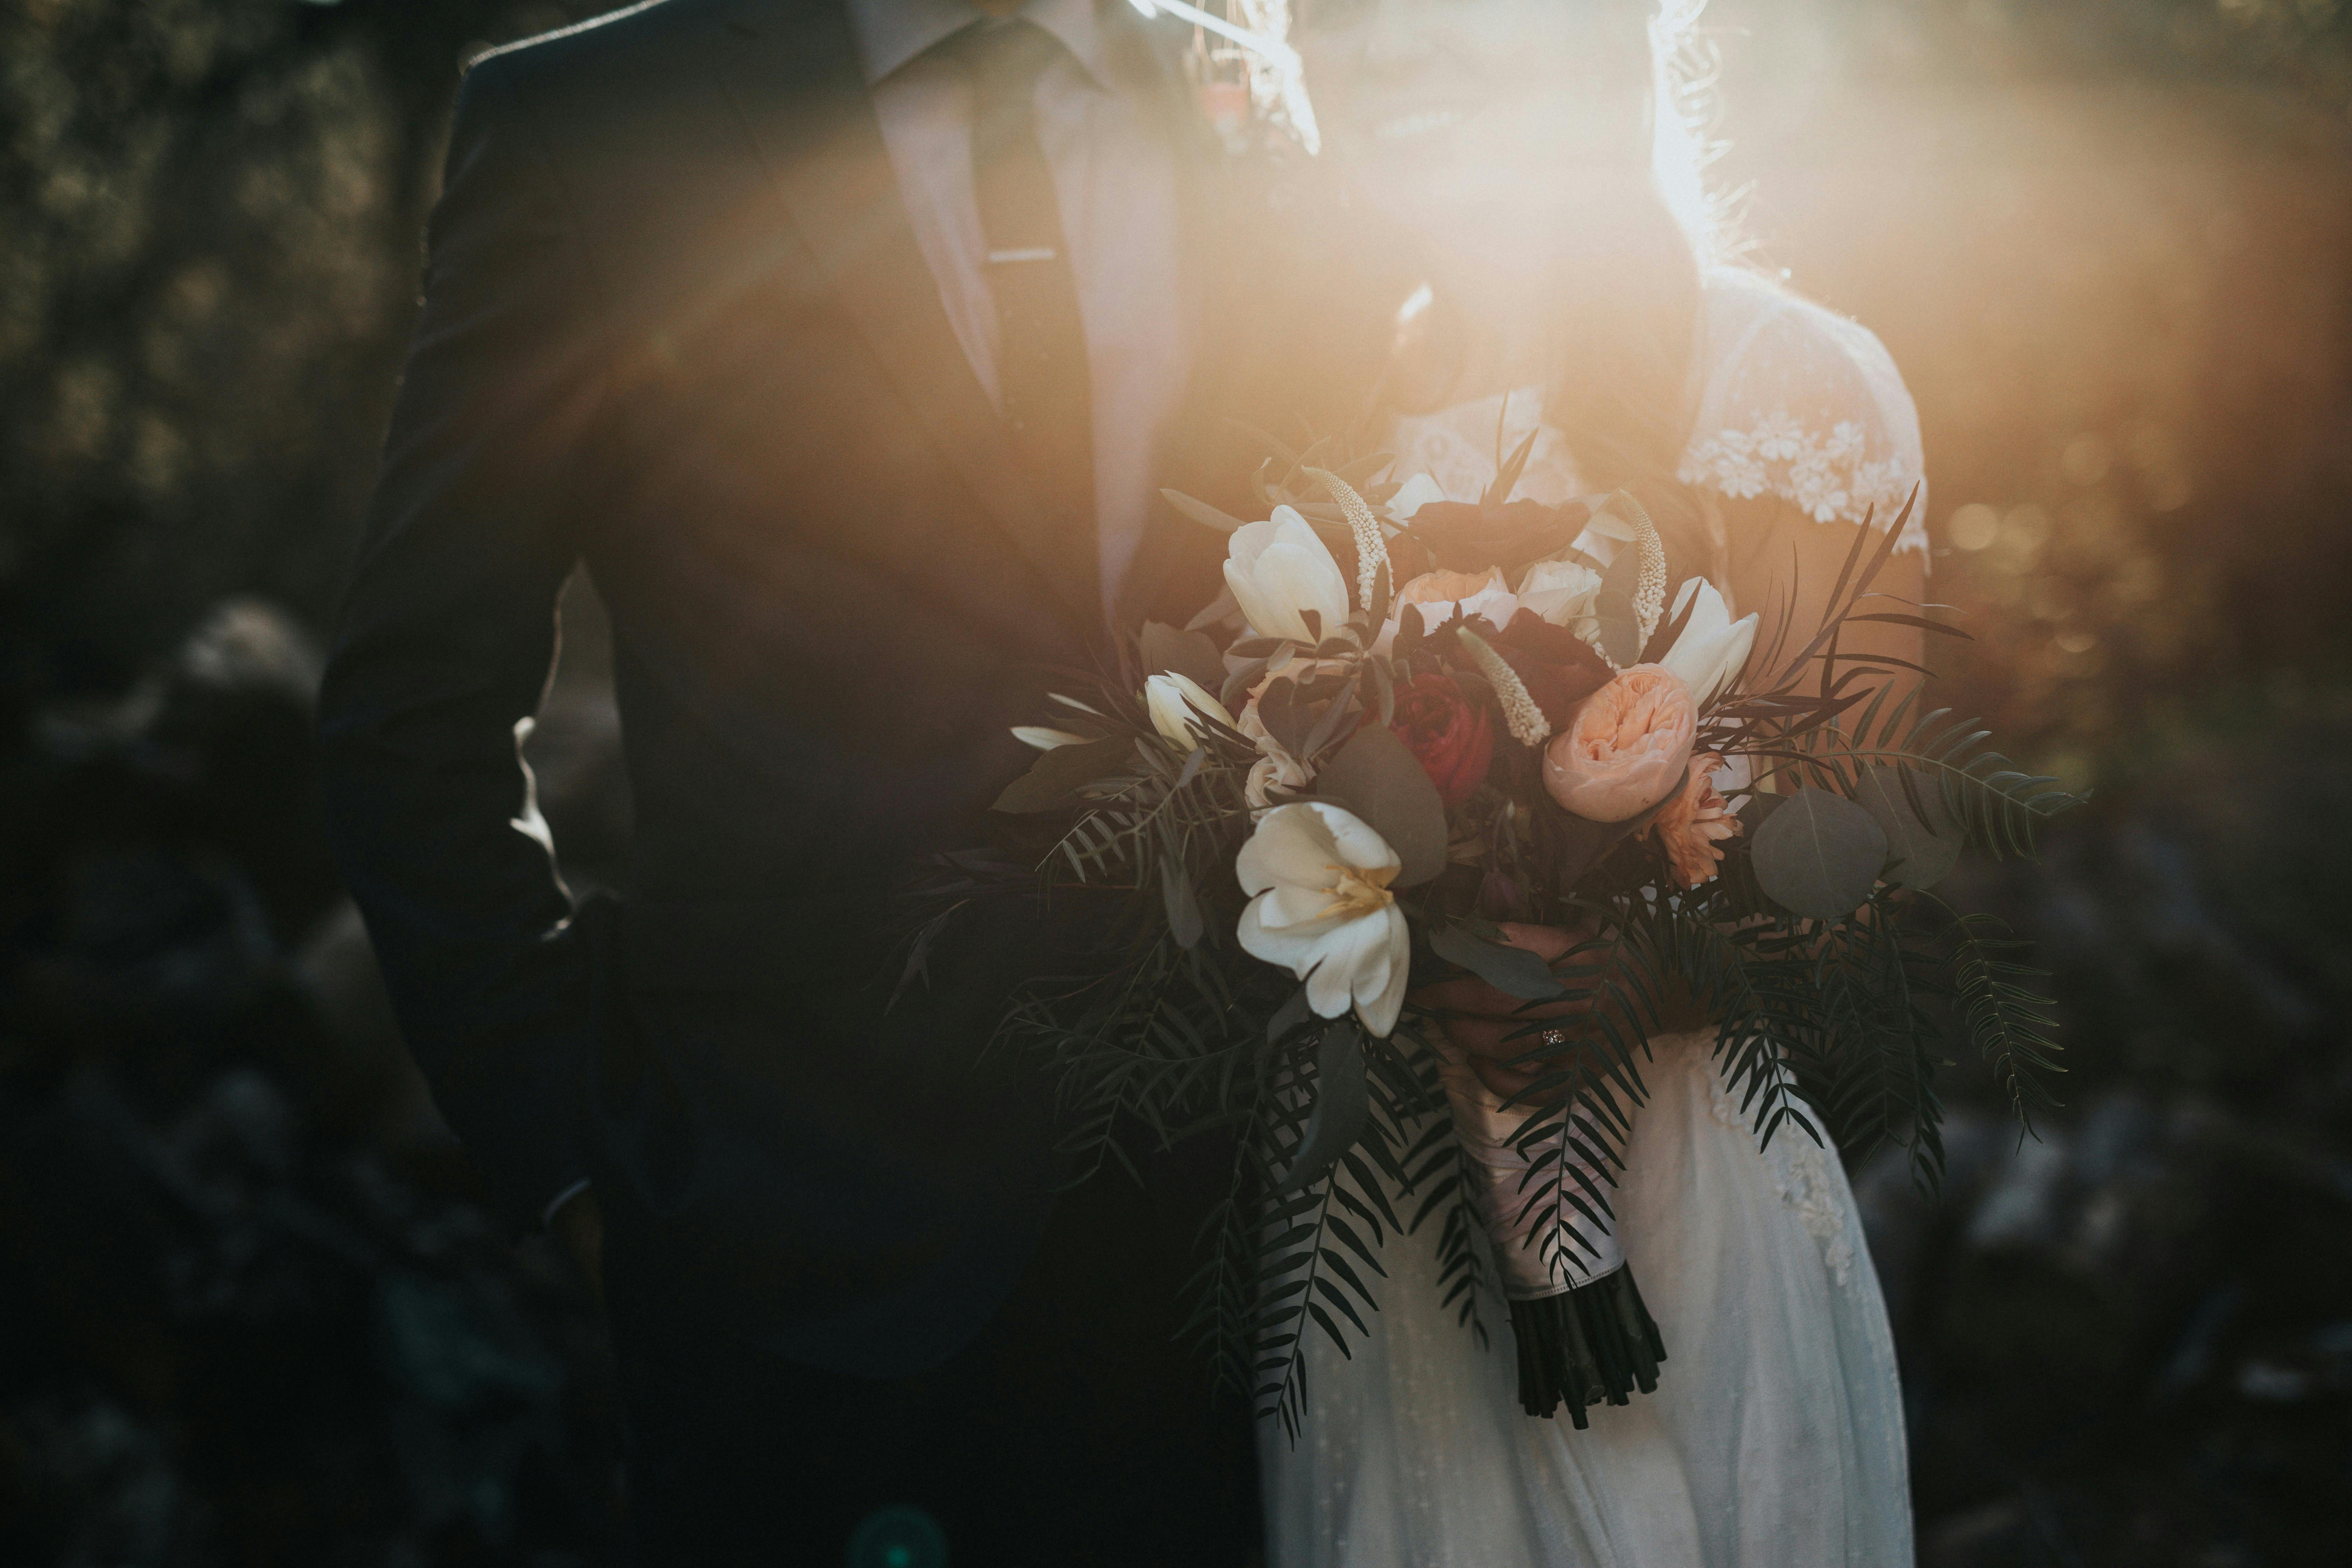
pixel 1592 1343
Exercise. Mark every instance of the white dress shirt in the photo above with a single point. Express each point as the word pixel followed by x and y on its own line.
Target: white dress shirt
pixel 1114 178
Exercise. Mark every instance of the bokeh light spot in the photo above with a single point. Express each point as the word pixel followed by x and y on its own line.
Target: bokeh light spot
pixel 1975 526
pixel 898 1536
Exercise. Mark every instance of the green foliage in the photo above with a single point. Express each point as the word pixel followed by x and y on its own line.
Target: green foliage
pixel 2009 1019
pixel 1819 854
pixel 1837 993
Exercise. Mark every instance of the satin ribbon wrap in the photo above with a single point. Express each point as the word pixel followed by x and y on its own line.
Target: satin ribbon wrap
pixel 1584 1335
pixel 1486 1129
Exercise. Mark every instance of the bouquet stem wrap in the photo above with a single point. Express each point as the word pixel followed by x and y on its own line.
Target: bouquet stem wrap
pixel 1583 1334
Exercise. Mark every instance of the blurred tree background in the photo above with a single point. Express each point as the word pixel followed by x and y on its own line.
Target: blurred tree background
pixel 248 1308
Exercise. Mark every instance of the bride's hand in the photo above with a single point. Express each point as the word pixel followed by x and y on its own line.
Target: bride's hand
pixel 1489 1026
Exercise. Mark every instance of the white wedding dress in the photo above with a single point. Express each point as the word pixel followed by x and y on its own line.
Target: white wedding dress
pixel 1775 1436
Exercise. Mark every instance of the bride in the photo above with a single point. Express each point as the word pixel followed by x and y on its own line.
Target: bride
pixel 1513 152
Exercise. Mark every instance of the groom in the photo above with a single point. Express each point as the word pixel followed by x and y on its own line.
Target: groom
pixel 846 344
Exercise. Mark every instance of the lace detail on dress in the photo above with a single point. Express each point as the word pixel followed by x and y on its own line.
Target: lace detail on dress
pixel 1828 479
pixel 1800 1174
pixel 1794 402
pixel 1804 404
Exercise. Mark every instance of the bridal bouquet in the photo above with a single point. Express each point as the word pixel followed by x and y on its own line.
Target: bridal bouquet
pixel 1404 722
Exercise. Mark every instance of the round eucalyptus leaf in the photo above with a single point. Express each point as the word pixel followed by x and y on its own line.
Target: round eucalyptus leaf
pixel 1920 834
pixel 1186 653
pixel 1621 628
pixel 1819 855
pixel 1374 776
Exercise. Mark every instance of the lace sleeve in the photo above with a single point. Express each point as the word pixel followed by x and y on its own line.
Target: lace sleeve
pixel 1804 404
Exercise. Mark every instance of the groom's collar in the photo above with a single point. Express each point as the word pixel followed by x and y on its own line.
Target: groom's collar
pixel 890 33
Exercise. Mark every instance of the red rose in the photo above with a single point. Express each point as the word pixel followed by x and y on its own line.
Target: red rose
pixel 1451 736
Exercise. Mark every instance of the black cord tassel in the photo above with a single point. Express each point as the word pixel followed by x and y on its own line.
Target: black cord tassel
pixel 1593 1343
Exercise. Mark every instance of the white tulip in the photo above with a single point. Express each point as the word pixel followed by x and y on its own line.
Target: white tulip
pixel 1712 648
pixel 1318 879
pixel 1173 700
pixel 1561 592
pixel 1045 739
pixel 1415 493
pixel 1278 568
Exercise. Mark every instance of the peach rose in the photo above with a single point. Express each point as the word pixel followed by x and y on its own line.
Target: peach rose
pixel 1442 595
pixel 1694 823
pixel 1626 748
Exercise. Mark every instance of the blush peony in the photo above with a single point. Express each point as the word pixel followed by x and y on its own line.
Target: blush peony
pixel 1626 748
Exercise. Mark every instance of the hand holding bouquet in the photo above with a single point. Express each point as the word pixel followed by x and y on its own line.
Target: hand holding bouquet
pixel 1398 739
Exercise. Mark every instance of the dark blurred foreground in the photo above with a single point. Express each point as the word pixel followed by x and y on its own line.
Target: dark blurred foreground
pixel 250 1310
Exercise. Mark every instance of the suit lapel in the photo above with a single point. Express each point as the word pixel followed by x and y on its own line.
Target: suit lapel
pixel 793 74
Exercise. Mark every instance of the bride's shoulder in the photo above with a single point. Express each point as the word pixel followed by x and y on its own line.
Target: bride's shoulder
pixel 1797 400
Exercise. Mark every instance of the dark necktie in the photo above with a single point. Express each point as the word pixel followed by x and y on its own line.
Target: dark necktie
pixel 1041 344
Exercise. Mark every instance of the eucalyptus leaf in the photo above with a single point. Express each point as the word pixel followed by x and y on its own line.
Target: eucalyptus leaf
pixel 1620 627
pixel 1054 780
pixel 1819 855
pixel 1920 834
pixel 1337 710
pixel 1236 684
pixel 1342 1103
pixel 1282 710
pixel 1514 971
pixel 1191 654
pixel 1374 776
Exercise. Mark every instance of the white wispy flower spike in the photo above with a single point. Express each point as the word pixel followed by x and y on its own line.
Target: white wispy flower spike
pixel 1650 583
pixel 1371 540
pixel 1526 722
pixel 1317 877
pixel 1650 588
pixel 1278 568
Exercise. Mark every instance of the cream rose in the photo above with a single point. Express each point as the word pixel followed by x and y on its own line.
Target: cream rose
pixel 1440 595
pixel 1561 592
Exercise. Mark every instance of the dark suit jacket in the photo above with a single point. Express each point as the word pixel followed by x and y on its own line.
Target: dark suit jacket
pixel 676 325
